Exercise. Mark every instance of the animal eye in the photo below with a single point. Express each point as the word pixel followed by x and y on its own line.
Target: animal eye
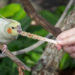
pixel 13 27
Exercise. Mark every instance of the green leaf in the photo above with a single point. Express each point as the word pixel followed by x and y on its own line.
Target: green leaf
pixel 65 61
pixel 34 56
pixel 25 23
pixel 10 10
pixel 59 10
pixel 19 15
pixel 28 60
pixel 41 32
pixel 51 18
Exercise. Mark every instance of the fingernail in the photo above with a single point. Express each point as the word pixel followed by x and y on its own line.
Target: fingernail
pixel 58 47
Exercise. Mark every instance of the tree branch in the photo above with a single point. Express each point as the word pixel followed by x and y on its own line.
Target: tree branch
pixel 39 20
pixel 26 50
pixel 64 13
pixel 22 51
pixel 15 59
pixel 37 37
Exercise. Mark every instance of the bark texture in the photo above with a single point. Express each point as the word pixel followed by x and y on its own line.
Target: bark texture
pixel 49 62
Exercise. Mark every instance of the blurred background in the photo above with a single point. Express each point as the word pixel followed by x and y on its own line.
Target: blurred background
pixel 51 10
pixel 44 4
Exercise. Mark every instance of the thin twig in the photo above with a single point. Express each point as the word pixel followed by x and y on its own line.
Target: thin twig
pixel 65 13
pixel 34 36
pixel 15 59
pixel 26 50
pixel 22 51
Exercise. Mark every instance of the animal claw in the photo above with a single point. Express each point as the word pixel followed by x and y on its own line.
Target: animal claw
pixel 4 48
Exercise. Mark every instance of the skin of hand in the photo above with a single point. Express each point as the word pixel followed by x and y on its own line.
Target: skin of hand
pixel 66 40
pixel 9 30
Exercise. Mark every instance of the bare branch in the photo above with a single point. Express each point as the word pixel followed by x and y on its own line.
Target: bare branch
pixel 22 51
pixel 37 37
pixel 39 20
pixel 15 59
pixel 26 50
pixel 65 13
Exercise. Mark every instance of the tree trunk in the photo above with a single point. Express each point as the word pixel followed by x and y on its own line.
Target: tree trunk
pixel 49 62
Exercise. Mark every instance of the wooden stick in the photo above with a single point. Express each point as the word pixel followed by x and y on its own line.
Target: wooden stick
pixel 15 59
pixel 34 36
pixel 39 19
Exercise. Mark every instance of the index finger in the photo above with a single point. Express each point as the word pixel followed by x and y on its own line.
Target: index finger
pixel 66 34
pixel 67 41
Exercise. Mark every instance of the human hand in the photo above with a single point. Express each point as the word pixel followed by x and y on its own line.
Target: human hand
pixel 67 40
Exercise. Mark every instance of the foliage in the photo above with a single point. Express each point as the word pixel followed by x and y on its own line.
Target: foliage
pixel 32 57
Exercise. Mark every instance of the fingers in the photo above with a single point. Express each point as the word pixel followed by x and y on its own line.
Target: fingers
pixel 66 34
pixel 69 49
pixel 66 37
pixel 73 55
pixel 67 41
pixel 58 46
